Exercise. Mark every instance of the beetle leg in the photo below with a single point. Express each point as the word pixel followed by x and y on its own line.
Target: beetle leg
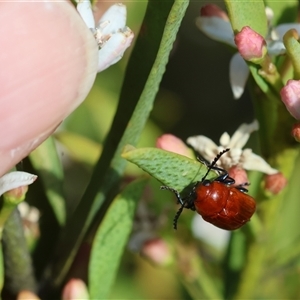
pixel 180 200
pixel 224 178
pixel 177 216
pixel 190 198
pixel 187 202
pixel 241 187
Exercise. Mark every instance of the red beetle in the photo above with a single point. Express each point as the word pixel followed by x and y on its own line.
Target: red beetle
pixel 217 201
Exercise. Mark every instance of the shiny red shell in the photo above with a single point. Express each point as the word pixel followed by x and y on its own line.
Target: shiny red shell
pixel 224 206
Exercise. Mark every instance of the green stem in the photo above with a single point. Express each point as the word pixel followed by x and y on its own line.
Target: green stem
pixel 6 211
pixel 194 275
pixel 143 76
pixel 270 74
pixel 290 40
pixel 281 152
pixel 19 274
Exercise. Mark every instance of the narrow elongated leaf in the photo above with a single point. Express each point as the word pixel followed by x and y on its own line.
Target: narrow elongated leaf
pixel 1 269
pixel 46 161
pixel 172 169
pixel 110 240
pixel 144 73
pixel 247 13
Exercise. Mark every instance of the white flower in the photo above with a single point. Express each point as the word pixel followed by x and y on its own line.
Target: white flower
pixel 245 159
pixel 209 233
pixel 14 180
pixel 220 29
pixel 29 213
pixel 111 33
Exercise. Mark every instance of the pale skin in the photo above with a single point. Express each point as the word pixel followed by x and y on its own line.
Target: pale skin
pixel 48 63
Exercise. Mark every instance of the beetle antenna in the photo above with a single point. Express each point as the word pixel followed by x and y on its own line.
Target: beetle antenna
pixel 214 162
pixel 177 216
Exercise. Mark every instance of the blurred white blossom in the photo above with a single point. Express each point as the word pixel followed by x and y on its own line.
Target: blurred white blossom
pixel 209 233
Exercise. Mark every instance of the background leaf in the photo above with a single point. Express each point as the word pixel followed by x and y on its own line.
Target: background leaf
pixel 46 161
pixel 87 153
pixel 284 11
pixel 110 240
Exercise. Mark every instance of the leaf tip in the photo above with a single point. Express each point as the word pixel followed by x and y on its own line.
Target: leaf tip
pixel 126 149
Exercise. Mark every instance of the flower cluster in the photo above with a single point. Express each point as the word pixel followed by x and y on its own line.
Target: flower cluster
pixel 237 156
pixel 236 161
pixel 252 47
pixel 111 33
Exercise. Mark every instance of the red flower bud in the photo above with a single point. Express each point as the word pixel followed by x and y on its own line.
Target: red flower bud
pixel 296 132
pixel 75 289
pixel 211 10
pixel 24 294
pixel 157 251
pixel 275 183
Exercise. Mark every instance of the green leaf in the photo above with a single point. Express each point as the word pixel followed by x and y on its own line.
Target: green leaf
pixel 171 169
pixel 1 269
pixel 247 13
pixel 110 240
pixel 284 11
pixel 46 161
pixel 287 220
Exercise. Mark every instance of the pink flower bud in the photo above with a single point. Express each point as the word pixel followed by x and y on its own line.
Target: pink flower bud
pixel 290 96
pixel 157 251
pixel 26 295
pixel 172 143
pixel 251 45
pixel 18 194
pixel 239 175
pixel 75 289
pixel 275 183
pixel 296 132
pixel 211 10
